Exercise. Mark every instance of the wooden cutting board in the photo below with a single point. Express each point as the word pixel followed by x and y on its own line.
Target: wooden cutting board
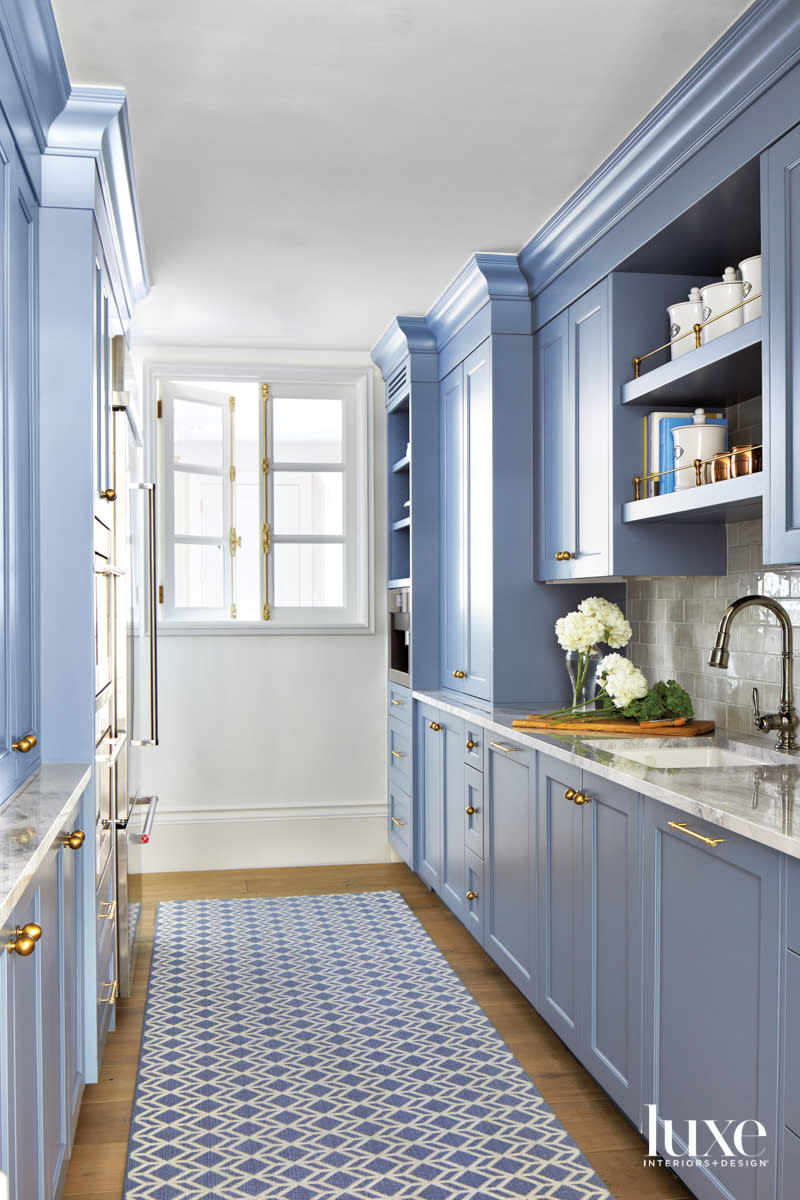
pixel 620 726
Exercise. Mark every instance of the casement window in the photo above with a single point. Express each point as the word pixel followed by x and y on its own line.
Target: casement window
pixel 265 487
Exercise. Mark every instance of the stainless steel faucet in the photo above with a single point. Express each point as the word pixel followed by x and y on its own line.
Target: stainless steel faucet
pixel 785 720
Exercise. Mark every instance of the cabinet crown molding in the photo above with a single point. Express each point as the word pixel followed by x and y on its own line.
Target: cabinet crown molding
pixel 405 335
pixel 757 50
pixel 484 278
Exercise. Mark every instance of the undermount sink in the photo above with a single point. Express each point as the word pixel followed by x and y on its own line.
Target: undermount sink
pixel 689 756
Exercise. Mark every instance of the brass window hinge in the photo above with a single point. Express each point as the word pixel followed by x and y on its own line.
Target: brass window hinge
pixel 159 409
pixel 161 593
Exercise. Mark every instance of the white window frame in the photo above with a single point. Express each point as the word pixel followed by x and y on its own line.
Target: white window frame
pixel 355 386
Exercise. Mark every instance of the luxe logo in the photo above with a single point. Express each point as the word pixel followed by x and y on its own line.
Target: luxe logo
pixel 705 1139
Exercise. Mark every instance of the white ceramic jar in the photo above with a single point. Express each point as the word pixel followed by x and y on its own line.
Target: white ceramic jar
pixel 750 269
pixel 697 440
pixel 717 299
pixel 682 318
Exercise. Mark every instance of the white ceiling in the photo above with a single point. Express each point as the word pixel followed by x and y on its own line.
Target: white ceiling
pixel 306 169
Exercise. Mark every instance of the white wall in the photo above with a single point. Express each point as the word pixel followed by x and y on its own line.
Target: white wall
pixel 273 748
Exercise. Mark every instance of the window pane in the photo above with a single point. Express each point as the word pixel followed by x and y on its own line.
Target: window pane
pixel 198 504
pixel 309 576
pixel 198 577
pixel 198 433
pixel 306 430
pixel 308 502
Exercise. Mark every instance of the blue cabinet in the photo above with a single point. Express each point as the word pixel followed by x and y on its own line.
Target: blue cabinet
pixel 781 284
pixel 573 393
pixel 509 909
pixel 590 943
pixel 400 772
pixel 467 539
pixel 441 808
pixel 712 967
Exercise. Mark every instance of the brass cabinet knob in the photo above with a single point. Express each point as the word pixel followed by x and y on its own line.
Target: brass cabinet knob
pixel 24 939
pixel 472 895
pixel 108 494
pixel 471 810
pixel 432 725
pixel 569 794
pixel 564 555
pixel 471 745
pixel 26 743
pixel 75 839
pixel 459 674
pixel 581 798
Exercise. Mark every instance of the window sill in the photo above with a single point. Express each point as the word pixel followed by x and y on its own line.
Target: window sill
pixel 259 629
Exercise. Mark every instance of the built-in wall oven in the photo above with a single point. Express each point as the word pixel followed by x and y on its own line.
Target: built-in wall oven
pixel 400 635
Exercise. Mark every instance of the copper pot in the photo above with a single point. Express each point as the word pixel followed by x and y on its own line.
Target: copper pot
pixel 745 460
pixel 721 466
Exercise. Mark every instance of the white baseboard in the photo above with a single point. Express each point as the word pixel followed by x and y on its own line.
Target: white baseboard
pixel 250 838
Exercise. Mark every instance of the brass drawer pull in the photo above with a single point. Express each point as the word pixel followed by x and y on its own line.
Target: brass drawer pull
pixel 110 907
pixel 472 895
pixel 459 674
pixel 112 995
pixel 396 822
pixel 682 827
pixel 471 810
pixel 397 754
pixel 432 725
pixel 24 939
pixel 506 749
pixel 471 745
pixel 75 839
pixel 400 702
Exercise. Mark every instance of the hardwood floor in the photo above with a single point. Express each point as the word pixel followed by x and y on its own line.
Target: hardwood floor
pixel 97 1167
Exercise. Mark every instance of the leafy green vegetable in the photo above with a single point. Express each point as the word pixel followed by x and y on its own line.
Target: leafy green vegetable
pixel 663 702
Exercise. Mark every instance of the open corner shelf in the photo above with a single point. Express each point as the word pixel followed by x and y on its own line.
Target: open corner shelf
pixel 725 371
pixel 740 497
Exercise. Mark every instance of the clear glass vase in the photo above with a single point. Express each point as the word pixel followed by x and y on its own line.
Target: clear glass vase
pixel 582 670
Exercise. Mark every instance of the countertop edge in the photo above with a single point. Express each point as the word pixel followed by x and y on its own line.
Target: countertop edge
pixel 683 789
pixel 29 824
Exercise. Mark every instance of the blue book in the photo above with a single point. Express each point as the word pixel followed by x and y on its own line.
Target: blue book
pixel 666 446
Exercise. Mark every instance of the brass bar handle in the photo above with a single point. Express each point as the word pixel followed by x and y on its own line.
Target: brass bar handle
pixel 506 749
pixel 459 674
pixel 23 940
pixel 396 822
pixel 111 907
pixel 25 744
pixel 472 895
pixel 470 810
pixel 682 827
pixel 112 995
pixel 398 754
pixel 74 840
pixel 401 703
pixel 434 726
pixel 471 745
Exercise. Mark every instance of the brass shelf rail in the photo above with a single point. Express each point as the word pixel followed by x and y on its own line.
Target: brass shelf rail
pixel 697 466
pixel 696 330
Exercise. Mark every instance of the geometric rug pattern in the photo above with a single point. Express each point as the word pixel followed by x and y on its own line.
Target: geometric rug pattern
pixel 321 1048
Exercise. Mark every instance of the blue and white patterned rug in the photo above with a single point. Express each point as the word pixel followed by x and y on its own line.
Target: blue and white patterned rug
pixel 321 1048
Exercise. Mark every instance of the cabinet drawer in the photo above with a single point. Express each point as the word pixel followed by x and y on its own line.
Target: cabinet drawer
pixel 791 1072
pixel 793 907
pixel 473 803
pixel 399 755
pixel 473 918
pixel 473 746
pixel 400 822
pixel 105 897
pixel 107 986
pixel 400 703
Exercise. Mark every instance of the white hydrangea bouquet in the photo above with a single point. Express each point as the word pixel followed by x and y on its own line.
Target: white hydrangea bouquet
pixel 617 680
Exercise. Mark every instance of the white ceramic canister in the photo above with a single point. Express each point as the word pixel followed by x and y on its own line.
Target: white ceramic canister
pixel 697 440
pixel 682 318
pixel 718 298
pixel 751 282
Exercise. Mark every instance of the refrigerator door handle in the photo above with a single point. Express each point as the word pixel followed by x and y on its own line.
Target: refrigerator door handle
pixel 143 837
pixel 115 749
pixel 150 488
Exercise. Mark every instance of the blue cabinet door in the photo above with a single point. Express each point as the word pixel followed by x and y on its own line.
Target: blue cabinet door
pixel 712 966
pixel 466 503
pixel 75 867
pixel 780 220
pixel 26 1175
pixel 429 798
pixel 509 911
pixel 573 404
pixel 55 1128
pixel 454 818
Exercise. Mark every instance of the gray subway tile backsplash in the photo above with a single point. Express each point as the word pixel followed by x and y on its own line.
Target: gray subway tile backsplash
pixel 675 622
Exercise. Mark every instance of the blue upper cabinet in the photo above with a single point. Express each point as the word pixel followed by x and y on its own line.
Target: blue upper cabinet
pixel 781 262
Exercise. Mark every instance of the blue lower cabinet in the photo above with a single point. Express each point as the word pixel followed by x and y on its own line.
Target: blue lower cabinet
pixel 473 879
pixel 712 970
pixel 429 795
pixel 590 947
pixel 401 828
pixel 454 817
pixel 509 911
pixel 440 805
pixel 399 754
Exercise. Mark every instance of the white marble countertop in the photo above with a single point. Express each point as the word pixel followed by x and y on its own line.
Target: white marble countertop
pixel 759 801
pixel 30 822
